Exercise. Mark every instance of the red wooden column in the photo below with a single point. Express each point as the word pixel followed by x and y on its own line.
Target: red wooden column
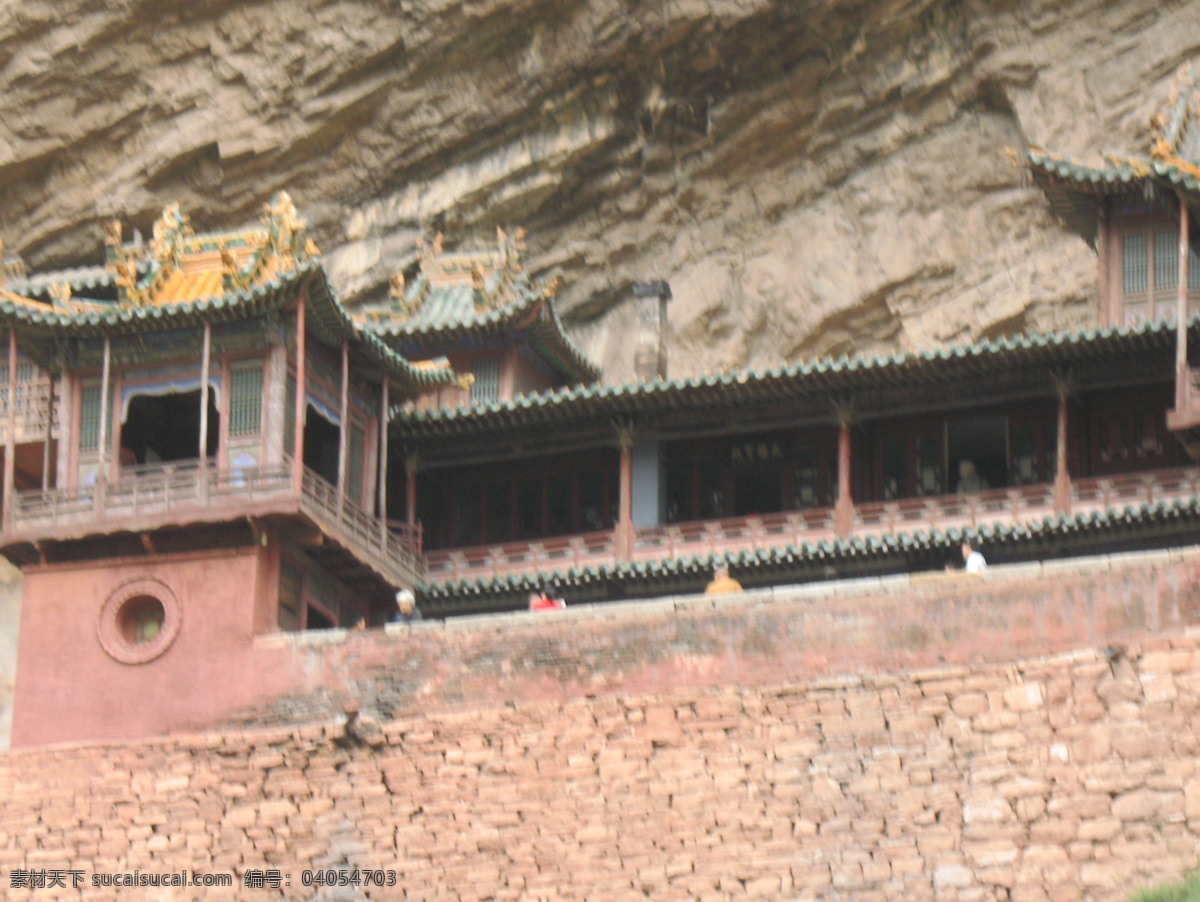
pixel 383 460
pixel 105 415
pixel 344 435
pixel 411 463
pixel 1181 311
pixel 49 437
pixel 1062 478
pixel 843 508
pixel 301 391
pixel 10 443
pixel 205 365
pixel 624 531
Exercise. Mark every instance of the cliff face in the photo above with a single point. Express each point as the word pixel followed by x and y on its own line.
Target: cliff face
pixel 812 178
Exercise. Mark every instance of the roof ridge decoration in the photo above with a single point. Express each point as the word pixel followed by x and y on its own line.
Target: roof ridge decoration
pixel 11 267
pixel 179 265
pixel 488 279
pixel 1173 144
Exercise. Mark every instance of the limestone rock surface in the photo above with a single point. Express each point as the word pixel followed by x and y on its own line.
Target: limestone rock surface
pixel 813 178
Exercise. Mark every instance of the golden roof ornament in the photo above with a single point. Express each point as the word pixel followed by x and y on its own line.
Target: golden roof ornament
pixel 396 286
pixel 126 277
pixel 166 245
pixel 60 294
pixel 113 233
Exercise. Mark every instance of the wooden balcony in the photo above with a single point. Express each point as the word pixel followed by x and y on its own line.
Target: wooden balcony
pixel 997 507
pixel 36 417
pixel 149 497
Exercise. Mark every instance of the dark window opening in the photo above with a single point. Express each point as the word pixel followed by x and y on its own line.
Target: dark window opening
pixel 317 620
pixel 757 465
pixel 140 619
pixel 322 441
pixel 163 428
pixel 977 451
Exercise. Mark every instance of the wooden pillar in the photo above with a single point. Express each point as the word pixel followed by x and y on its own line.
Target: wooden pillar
pixel 383 459
pixel 301 400
pixel 1181 311
pixel 624 531
pixel 1109 314
pixel 1062 478
pixel 10 440
pixel 49 437
pixel 344 434
pixel 102 471
pixel 411 464
pixel 205 363
pixel 843 508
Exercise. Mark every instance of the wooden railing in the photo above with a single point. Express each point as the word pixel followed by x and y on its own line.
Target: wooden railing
pixel 542 556
pixel 995 507
pixel 1031 502
pixel 346 521
pixel 154 491
pixel 36 416
pixel 148 490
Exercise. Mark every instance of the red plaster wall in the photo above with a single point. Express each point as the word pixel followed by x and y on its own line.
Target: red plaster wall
pixel 67 685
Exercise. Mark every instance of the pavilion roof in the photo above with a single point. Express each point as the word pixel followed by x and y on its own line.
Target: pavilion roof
pixel 186 280
pixel 1172 163
pixel 1002 540
pixel 822 381
pixel 453 297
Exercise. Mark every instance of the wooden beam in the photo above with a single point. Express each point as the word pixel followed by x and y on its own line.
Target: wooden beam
pixel 148 543
pixel 1181 310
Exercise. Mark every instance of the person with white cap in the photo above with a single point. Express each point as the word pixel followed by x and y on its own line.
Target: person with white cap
pixel 406 607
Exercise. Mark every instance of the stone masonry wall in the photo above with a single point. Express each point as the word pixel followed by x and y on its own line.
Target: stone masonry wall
pixel 1065 775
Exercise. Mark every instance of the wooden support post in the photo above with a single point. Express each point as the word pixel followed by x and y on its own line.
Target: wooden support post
pixel 383 461
pixel 344 433
pixel 411 463
pixel 102 471
pixel 1181 312
pixel 49 437
pixel 301 391
pixel 205 363
pixel 624 531
pixel 10 440
pixel 843 508
pixel 1062 478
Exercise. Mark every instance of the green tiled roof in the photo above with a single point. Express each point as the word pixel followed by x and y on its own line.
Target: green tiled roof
pixel 826 378
pixel 1071 186
pixel 833 552
pixel 448 314
pixel 328 319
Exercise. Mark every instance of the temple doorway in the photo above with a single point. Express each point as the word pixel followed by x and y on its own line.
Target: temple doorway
pixel 166 427
pixel 322 445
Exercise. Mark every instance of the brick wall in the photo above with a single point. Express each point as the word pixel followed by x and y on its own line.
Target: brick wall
pixel 530 763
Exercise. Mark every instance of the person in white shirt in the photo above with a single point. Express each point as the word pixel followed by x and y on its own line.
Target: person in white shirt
pixel 976 563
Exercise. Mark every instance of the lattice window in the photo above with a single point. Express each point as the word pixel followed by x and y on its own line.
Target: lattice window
pixel 245 404
pixel 1166 260
pixel 89 418
pixel 354 463
pixel 1134 259
pixel 486 387
pixel 289 416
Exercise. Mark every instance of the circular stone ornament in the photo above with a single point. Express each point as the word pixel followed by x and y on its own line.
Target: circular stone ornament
pixel 139 621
